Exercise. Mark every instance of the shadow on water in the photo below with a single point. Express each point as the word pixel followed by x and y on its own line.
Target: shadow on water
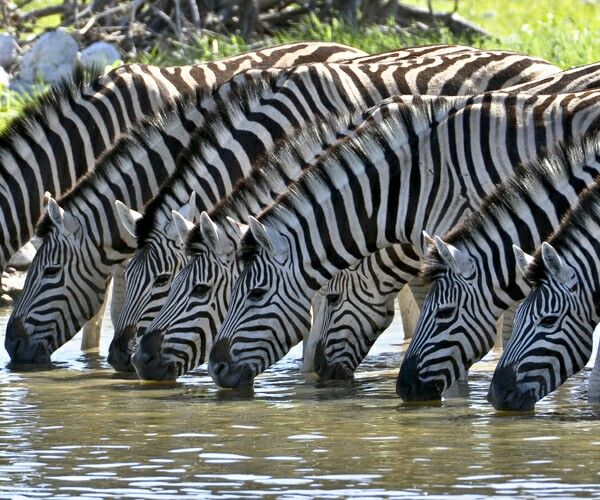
pixel 77 428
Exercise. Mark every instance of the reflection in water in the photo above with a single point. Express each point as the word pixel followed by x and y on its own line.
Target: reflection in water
pixel 80 429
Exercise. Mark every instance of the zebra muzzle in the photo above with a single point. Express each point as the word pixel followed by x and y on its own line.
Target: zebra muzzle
pixel 149 361
pixel 330 371
pixel 224 371
pixel 20 346
pixel 120 350
pixel 410 387
pixel 505 394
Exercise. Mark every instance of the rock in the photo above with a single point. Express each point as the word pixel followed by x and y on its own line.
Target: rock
pixel 52 58
pixel 13 285
pixel 4 79
pixel 23 258
pixel 8 50
pixel 99 55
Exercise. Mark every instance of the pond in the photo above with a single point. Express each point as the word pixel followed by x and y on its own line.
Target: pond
pixel 79 429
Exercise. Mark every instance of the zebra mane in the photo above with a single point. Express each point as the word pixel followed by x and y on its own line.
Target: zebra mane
pixel 549 169
pixel 206 139
pixel 573 227
pixel 411 118
pixel 37 113
pixel 271 166
pixel 112 160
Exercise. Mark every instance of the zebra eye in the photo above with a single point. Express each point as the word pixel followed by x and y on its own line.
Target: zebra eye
pixel 51 271
pixel 162 279
pixel 444 312
pixel 200 290
pixel 257 294
pixel 333 298
pixel 548 321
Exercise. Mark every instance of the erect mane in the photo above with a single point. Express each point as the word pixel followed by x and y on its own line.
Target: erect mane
pixel 38 111
pixel 401 118
pixel 528 181
pixel 573 226
pixel 228 108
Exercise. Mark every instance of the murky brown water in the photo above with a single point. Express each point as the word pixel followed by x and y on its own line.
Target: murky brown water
pixel 80 430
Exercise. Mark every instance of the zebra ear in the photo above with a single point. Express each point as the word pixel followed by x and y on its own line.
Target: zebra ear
pixel 56 213
pixel 237 228
pixel 189 211
pixel 128 217
pixel 523 259
pixel 272 243
pixel 214 236
pixel 555 265
pixel 457 260
pixel 182 225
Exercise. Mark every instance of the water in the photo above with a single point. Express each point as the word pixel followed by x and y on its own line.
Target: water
pixel 81 430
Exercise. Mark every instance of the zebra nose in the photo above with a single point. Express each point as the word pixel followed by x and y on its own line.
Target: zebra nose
pixel 20 348
pixel 410 387
pixel 330 371
pixel 148 360
pixel 121 348
pixel 224 371
pixel 505 394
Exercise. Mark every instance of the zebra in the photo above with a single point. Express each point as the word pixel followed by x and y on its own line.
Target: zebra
pixel 473 269
pixel 554 325
pixel 355 199
pixel 357 305
pixel 149 274
pixel 160 139
pixel 177 340
pixel 56 140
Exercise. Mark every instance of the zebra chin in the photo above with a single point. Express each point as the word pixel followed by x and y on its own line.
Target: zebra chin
pixel 20 348
pixel 149 361
pixel 330 371
pixel 120 349
pixel 224 371
pixel 410 387
pixel 505 394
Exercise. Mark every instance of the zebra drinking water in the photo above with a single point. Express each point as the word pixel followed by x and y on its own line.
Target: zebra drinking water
pixel 474 272
pixel 362 195
pixel 159 256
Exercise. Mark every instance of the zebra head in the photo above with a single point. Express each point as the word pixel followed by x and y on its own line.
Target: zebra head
pixel 180 336
pixel 443 347
pixel 269 310
pixel 352 314
pixel 148 279
pixel 552 337
pixel 62 290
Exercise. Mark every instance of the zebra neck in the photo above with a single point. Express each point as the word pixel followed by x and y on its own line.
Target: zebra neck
pixel 525 211
pixel 577 79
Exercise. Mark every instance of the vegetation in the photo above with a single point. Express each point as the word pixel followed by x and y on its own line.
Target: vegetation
pixel 565 33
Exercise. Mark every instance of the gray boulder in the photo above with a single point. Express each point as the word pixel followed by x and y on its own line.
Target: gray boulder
pixel 99 55
pixel 8 50
pixel 51 59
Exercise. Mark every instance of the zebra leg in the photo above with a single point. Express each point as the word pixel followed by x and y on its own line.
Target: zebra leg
pixel 309 344
pixel 410 299
pixel 90 340
pixel 594 382
pixel 118 293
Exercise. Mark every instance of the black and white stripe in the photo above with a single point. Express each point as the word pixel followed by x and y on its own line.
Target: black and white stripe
pixel 357 305
pixel 149 275
pixel 554 325
pixel 473 269
pixel 57 140
pixel 384 186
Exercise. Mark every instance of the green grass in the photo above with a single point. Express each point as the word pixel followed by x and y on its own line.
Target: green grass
pixel 565 32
